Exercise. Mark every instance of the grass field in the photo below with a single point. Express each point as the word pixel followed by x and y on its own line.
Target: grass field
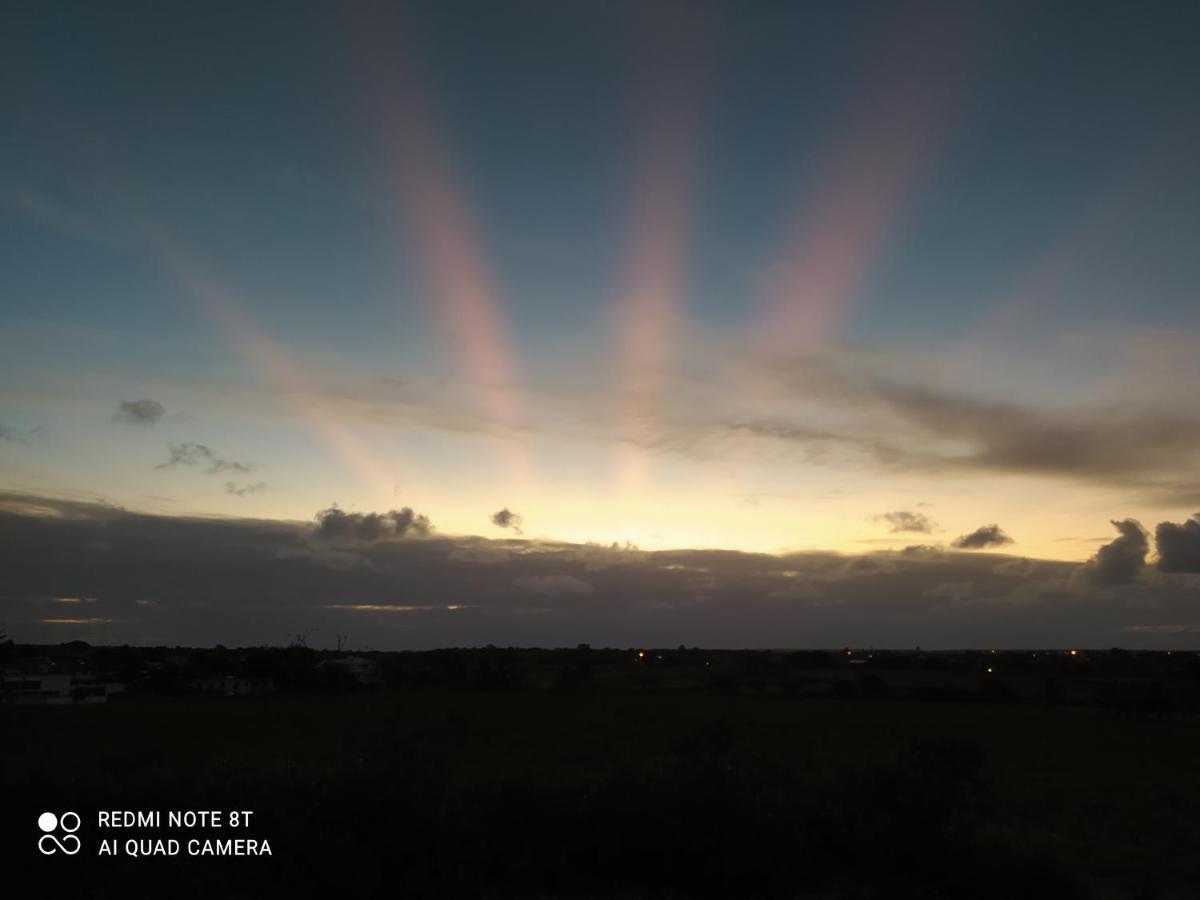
pixel 426 793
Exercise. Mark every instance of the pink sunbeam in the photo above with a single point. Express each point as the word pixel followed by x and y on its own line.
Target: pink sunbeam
pixel 842 232
pixel 248 339
pixel 437 214
pixel 663 186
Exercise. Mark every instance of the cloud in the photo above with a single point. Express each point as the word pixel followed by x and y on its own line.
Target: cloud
pixel 923 551
pixel 551 585
pixel 139 412
pixel 191 455
pixel 1178 545
pixel 241 490
pixel 902 520
pixel 506 518
pixel 1016 568
pixel 333 524
pixel 1119 561
pixel 797 590
pixel 909 426
pixel 243 582
pixel 954 591
pixel 853 408
pixel 982 537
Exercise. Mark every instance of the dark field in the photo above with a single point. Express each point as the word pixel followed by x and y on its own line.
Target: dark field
pixel 427 793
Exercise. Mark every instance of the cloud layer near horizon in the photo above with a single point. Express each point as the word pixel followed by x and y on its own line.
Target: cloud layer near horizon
pixel 169 580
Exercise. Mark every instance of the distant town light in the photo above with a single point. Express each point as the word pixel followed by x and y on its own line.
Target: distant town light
pixel 990 668
pixel 641 653
pixel 1074 652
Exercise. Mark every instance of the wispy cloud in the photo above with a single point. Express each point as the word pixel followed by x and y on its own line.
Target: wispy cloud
pixel 902 520
pixel 139 412
pixel 842 408
pixel 53 213
pixel 194 455
pixel 13 436
pixel 241 490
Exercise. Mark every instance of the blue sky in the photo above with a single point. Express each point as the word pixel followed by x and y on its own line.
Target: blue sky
pixel 1009 191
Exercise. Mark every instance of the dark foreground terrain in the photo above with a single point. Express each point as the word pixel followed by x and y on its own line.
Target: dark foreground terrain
pixel 437 792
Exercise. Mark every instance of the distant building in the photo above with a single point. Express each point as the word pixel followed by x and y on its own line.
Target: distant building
pixel 35 682
pixel 233 685
pixel 36 687
pixel 355 668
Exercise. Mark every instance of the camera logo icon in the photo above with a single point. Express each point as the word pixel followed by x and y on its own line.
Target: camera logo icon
pixel 50 843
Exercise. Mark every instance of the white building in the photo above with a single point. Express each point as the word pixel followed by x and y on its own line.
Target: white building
pixel 30 687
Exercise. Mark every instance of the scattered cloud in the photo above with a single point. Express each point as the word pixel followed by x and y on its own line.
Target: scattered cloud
pixel 139 412
pixel 1179 545
pixel 334 524
pixel 902 520
pixel 506 518
pixel 193 455
pixel 981 538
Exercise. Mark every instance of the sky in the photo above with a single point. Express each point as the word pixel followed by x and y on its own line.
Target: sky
pixel 771 282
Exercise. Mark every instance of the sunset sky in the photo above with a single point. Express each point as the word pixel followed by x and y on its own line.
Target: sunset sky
pixel 777 278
